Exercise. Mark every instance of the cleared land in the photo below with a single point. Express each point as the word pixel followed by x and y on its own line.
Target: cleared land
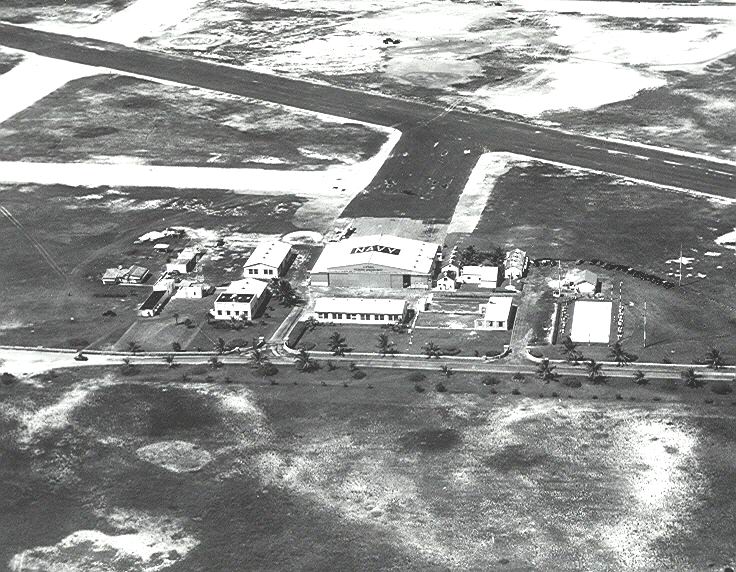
pixel 9 59
pixel 119 119
pixel 68 11
pixel 287 477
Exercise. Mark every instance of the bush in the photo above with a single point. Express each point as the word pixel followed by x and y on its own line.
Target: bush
pixel 721 388
pixel 418 388
pixel 8 378
pixel 440 387
pixel 494 391
pixel 572 382
pixel 519 377
pixel 358 374
pixel 555 394
pixel 416 377
pixel 490 380
pixel 516 391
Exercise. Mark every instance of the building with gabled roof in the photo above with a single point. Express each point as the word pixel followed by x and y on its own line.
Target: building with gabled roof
pixel 483 276
pixel 515 264
pixel 377 261
pixel 495 314
pixel 269 260
pixel 131 275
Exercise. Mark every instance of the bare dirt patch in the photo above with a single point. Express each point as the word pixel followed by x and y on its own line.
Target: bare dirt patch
pixel 176 456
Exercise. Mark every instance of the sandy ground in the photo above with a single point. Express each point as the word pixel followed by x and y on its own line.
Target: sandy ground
pixel 176 456
pixel 31 362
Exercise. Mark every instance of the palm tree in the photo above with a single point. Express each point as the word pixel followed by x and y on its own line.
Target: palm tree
pixel 215 362
pixel 169 360
pixel 620 355
pixel 569 350
pixel 470 255
pixel 594 370
pixel 546 372
pixel 311 323
pixel 176 346
pixel 446 370
pixel 496 256
pixel 220 346
pixel 134 347
pixel 337 344
pixel 713 359
pixel 285 292
pixel 304 362
pixel 176 318
pixel 432 350
pixel 384 345
pixel 640 378
pixel 258 358
pixel 691 379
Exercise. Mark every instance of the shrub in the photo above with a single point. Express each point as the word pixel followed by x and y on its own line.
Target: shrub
pixel 619 396
pixel 709 401
pixel 555 394
pixel 358 374
pixel 494 391
pixel 440 387
pixel 595 397
pixel 417 376
pixel 518 377
pixel 721 388
pixel 536 353
pixel 418 388
pixel 8 378
pixel 516 391
pixel 490 380
pixel 572 382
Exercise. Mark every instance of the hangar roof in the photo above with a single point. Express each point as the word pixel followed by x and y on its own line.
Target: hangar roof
pixel 403 254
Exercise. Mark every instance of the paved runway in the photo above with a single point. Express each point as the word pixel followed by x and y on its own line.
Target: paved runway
pixel 421 123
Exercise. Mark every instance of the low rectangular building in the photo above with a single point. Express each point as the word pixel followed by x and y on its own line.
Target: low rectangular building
pixel 241 300
pixel 495 314
pixel 184 262
pixel 157 299
pixel 360 310
pixel 591 322
pixel 482 276
pixel 268 260
pixel 132 275
pixel 377 261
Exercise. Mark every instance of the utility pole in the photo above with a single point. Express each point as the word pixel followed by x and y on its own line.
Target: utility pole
pixel 680 280
pixel 645 323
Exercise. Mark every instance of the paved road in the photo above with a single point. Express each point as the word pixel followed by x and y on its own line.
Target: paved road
pixel 475 130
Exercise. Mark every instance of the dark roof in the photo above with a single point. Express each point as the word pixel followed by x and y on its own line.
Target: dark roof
pixel 152 300
pixel 234 297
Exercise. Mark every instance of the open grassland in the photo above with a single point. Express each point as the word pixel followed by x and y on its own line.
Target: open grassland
pixel 52 261
pixel 9 59
pixel 68 11
pixel 117 119
pixel 546 60
pixel 556 214
pixel 138 471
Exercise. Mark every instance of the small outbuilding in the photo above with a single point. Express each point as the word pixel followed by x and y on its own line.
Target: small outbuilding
pixel 185 262
pixel 157 299
pixel 582 281
pixel 131 275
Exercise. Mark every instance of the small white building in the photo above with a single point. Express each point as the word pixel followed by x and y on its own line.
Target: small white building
pixel 482 276
pixel 132 275
pixel 360 310
pixel 495 314
pixel 452 264
pixel 446 282
pixel 185 261
pixel 241 300
pixel 193 290
pixel 162 247
pixel 157 299
pixel 581 281
pixel 268 260
pixel 515 264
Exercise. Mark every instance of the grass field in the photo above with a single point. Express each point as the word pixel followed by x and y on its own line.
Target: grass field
pixel 8 59
pixel 108 118
pixel 373 476
pixel 85 231
pixel 553 213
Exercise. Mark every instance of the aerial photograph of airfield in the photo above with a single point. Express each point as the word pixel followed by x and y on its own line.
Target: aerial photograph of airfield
pixel 367 285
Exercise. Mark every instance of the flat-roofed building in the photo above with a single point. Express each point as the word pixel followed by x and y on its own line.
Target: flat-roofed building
pixel 377 261
pixel 269 260
pixel 495 314
pixel 184 262
pixel 193 290
pixel 131 275
pixel 482 276
pixel 241 300
pixel 591 321
pixel 360 310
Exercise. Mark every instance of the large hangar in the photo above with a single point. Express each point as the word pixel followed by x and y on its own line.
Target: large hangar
pixel 377 261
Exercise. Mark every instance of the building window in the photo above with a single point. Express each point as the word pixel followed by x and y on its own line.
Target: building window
pixel 337 316
pixel 228 312
pixel 379 316
pixel 322 315
pixel 365 316
pixel 219 312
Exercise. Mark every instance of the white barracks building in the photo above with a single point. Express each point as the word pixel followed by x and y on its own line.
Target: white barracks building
pixel 240 301
pixel 377 261
pixel 359 310
pixel 269 260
